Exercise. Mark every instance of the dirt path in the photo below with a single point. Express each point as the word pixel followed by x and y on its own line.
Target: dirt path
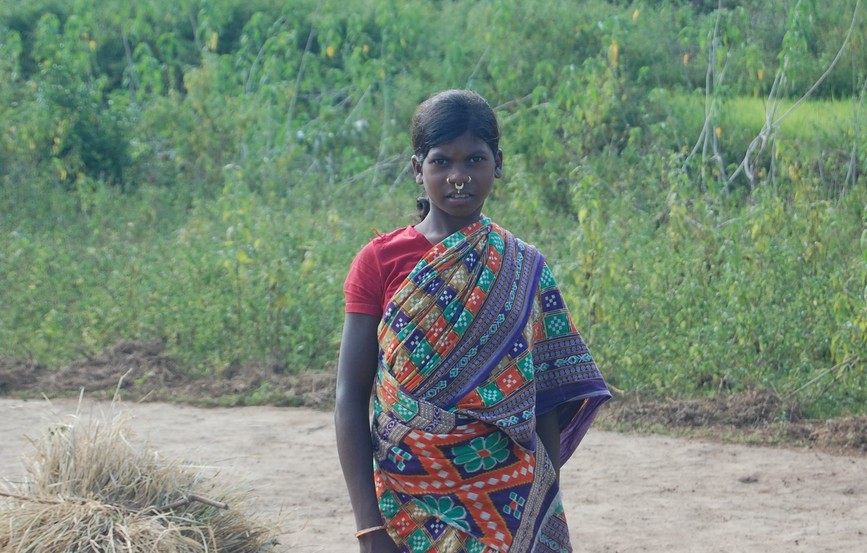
pixel 623 492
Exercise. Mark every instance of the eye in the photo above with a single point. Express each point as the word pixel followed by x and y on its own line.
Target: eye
pixel 477 159
pixel 438 161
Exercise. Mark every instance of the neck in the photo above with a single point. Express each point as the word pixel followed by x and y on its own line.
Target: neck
pixel 438 225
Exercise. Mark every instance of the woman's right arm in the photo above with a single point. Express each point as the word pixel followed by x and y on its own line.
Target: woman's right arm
pixel 356 370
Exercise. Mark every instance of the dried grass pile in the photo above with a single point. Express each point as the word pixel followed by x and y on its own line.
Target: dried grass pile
pixel 90 489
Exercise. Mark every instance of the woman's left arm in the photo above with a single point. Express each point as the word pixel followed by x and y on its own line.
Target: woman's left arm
pixel 548 430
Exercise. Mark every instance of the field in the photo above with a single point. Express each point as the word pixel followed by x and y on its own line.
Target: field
pixel 183 185
pixel 623 492
pixel 197 176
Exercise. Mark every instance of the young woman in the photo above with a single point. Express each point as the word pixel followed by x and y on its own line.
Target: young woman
pixel 482 386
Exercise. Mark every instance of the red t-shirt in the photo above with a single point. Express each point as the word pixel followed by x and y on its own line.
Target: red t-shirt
pixel 380 268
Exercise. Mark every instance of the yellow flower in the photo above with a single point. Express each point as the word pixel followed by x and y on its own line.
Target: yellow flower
pixel 329 51
pixel 686 58
pixel 635 15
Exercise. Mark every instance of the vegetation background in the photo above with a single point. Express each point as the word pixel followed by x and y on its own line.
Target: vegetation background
pixel 202 172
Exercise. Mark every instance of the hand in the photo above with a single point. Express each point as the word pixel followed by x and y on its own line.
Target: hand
pixel 377 542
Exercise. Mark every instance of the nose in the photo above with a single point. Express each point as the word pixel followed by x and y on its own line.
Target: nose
pixel 458 183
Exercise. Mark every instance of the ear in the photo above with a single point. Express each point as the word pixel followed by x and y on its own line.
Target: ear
pixel 498 164
pixel 416 169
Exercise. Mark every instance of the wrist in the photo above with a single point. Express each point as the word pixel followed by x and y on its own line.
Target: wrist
pixel 367 531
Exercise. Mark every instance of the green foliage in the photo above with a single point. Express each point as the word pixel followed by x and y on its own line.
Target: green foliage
pixel 202 172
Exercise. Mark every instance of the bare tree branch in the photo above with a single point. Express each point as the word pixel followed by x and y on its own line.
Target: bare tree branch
pixel 750 161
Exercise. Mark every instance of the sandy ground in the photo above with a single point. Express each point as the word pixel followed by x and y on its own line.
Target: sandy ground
pixel 623 492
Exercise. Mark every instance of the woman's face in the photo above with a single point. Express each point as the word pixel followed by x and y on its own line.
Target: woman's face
pixel 467 160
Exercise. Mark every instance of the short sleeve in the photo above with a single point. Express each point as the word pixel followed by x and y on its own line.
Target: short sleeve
pixel 364 286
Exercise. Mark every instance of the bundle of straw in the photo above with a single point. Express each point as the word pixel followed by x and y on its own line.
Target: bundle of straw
pixel 91 490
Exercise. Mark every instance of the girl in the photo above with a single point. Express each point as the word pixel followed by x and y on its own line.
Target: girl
pixel 482 386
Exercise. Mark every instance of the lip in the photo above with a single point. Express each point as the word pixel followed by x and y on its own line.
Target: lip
pixel 462 196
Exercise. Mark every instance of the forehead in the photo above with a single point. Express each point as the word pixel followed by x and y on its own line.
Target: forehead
pixel 467 143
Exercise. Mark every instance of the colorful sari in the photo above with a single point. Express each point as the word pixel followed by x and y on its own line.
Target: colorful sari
pixel 475 345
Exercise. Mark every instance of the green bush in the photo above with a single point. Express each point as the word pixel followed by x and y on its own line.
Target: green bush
pixel 203 172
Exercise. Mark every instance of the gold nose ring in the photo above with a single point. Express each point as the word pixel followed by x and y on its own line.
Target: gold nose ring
pixel 458 185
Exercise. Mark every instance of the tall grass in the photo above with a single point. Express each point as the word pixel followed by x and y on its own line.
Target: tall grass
pixel 265 142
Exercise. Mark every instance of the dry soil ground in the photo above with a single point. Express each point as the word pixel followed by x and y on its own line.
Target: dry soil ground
pixel 624 491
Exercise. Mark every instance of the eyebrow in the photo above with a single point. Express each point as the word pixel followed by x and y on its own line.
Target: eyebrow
pixel 478 152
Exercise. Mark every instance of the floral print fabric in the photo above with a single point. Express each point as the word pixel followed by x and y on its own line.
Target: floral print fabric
pixel 473 346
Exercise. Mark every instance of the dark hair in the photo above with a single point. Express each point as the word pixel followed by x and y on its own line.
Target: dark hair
pixel 446 116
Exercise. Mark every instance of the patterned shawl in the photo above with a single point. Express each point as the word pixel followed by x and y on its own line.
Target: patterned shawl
pixel 473 346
